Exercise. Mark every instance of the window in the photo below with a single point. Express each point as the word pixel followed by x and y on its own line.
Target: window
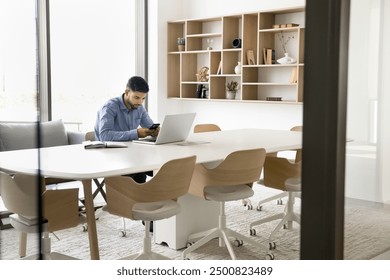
pixel 18 61
pixel 93 45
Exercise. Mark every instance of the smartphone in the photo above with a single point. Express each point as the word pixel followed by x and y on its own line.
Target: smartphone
pixel 154 126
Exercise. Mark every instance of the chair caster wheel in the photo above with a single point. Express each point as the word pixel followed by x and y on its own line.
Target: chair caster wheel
pixel 250 207
pixel 85 228
pixel 190 243
pixel 186 259
pixel 238 243
pixel 270 256
pixel 123 233
pixel 259 208
pixel 279 201
pixel 285 226
pixel 272 245
pixel 252 232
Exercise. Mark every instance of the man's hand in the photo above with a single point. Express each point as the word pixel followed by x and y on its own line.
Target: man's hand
pixel 143 132
pixel 155 132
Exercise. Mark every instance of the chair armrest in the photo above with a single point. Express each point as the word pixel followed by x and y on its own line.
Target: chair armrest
pixel 75 137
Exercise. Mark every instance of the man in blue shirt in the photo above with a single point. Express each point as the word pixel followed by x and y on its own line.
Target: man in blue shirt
pixel 123 118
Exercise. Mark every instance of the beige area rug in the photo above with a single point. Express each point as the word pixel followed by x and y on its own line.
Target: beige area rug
pixel 367 234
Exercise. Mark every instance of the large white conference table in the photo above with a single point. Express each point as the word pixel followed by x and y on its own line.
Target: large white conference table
pixel 75 162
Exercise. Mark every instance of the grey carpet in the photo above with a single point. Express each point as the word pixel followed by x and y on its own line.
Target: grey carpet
pixel 367 234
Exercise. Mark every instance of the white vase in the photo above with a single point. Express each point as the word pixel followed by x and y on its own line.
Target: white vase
pixel 237 69
pixel 230 94
pixel 286 59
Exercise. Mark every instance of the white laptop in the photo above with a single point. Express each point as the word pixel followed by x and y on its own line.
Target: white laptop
pixel 174 128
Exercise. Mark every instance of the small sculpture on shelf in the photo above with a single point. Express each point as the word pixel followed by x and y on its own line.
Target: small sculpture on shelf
pixel 209 44
pixel 286 59
pixel 203 74
pixel 181 42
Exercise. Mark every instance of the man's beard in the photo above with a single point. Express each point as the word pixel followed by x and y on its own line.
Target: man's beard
pixel 134 107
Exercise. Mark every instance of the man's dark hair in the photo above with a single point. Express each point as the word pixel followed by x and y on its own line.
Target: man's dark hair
pixel 137 83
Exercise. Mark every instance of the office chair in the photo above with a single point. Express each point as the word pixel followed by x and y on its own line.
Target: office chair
pixel 278 197
pixel 60 211
pixel 205 127
pixel 151 201
pixel 231 180
pixel 277 174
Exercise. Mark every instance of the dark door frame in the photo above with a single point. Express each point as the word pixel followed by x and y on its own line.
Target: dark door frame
pixel 324 134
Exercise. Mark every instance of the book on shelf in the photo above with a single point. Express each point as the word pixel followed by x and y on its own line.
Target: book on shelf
pixel 103 144
pixel 273 98
pixel 269 56
pixel 219 68
pixel 293 77
pixel 292 24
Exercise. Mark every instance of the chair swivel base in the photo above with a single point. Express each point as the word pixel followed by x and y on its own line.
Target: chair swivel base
pixel 223 234
pixel 287 218
pixel 50 256
pixel 146 256
pixel 146 253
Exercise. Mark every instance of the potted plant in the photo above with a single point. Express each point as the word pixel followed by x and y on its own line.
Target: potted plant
pixel 181 43
pixel 232 88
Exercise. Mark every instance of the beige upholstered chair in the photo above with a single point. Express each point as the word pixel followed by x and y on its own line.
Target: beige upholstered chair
pixel 205 127
pixel 151 201
pixel 59 209
pixel 278 197
pixel 231 180
pixel 277 174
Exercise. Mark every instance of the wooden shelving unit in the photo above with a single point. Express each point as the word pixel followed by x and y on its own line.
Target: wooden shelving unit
pixel 209 43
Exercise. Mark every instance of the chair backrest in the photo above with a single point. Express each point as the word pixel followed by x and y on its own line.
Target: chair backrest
pixel 205 127
pixel 171 181
pixel 240 167
pixel 277 170
pixel 20 196
pixel 19 193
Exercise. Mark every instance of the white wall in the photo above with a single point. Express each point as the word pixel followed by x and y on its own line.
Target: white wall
pixel 228 115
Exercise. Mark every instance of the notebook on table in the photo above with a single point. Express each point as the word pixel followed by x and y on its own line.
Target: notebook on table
pixel 174 128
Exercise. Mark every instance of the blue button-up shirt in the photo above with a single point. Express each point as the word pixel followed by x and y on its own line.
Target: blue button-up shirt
pixel 114 122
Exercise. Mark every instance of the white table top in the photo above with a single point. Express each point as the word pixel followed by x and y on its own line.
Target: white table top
pixel 74 162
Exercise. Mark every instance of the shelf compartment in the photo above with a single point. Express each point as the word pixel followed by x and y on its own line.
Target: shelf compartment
pixel 193 62
pixel 200 42
pixel 218 86
pixel 173 80
pixel 261 92
pixel 189 90
pixel 230 60
pixel 269 75
pixel 232 26
pixel 175 30
pixel 215 61
pixel 250 40
pixel 269 19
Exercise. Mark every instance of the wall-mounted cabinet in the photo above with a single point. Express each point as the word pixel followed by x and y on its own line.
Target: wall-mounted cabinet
pixel 255 40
